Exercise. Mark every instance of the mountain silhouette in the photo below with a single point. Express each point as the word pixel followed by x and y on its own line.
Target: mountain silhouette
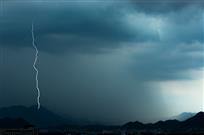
pixel 134 125
pixel 41 118
pixel 183 116
pixel 21 116
pixel 195 123
pixel 166 125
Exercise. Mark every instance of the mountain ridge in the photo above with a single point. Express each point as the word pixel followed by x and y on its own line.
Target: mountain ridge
pixel 183 116
pixel 41 118
pixel 46 118
pixel 196 122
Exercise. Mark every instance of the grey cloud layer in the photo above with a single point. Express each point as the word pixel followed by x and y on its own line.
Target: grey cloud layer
pixel 164 6
pixel 73 27
pixel 68 27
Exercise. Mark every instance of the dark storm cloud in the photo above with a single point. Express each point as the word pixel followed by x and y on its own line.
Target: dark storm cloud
pixel 70 26
pixel 94 27
pixel 164 6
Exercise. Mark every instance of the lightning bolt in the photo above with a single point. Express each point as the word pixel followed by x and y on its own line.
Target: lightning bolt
pixel 34 65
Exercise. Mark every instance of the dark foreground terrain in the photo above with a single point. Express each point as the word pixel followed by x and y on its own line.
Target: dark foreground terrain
pixel 24 121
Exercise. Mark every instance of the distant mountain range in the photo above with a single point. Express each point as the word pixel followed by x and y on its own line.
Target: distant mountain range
pixel 194 123
pixel 20 116
pixel 183 116
pixel 41 118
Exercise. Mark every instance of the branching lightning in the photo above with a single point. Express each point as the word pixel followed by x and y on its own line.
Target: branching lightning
pixel 35 67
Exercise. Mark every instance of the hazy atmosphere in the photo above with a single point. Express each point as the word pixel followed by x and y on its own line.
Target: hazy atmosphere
pixel 106 61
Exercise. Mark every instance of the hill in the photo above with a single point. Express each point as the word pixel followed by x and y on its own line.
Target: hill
pixel 41 118
pixel 183 116
pixel 195 123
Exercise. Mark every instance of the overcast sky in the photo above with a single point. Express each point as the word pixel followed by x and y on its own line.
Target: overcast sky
pixel 109 61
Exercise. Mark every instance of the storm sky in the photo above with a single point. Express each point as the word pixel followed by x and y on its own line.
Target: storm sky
pixel 107 61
